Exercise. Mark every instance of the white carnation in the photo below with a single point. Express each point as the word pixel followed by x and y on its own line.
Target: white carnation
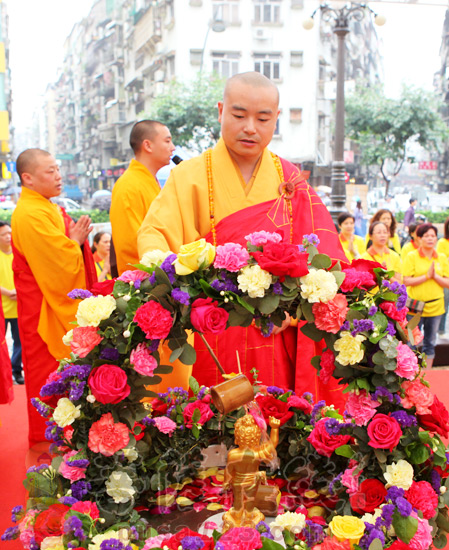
pixel 95 309
pixel 254 280
pixel 290 521
pixel 119 486
pixel 400 474
pixel 318 286
pixel 66 412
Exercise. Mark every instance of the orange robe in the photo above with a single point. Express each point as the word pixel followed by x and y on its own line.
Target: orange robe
pixel 180 214
pixel 132 196
pixel 47 265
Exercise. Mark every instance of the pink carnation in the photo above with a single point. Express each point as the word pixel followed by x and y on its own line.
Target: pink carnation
pixel 357 279
pixel 241 538
pixel 351 480
pixel 417 395
pixel 107 437
pixel 156 542
pixel 154 320
pixel 164 424
pixel 407 362
pixel 422 540
pixel 231 256
pixel 86 507
pixel 142 360
pixel 361 407
pixel 331 315
pixel 258 238
pixel 205 413
pixel 71 472
pixel 133 275
pixel 327 365
pixel 84 340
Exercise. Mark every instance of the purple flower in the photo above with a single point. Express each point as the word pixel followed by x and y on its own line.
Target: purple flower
pixel 390 328
pixel 153 345
pixel 313 533
pixel 275 390
pixel 11 533
pixel 387 515
pixel 334 427
pixel 277 288
pixel 435 481
pixel 311 239
pixel 152 279
pixel 57 387
pixel 371 533
pixel 382 392
pixel 180 296
pixel 79 294
pixel 267 329
pixel 147 421
pixel 264 530
pixel 74 525
pixel 308 396
pixel 169 268
pixel 372 310
pixel 68 501
pixel 114 544
pixel 404 419
pixel 362 325
pixel 333 482
pixel 37 469
pixel 43 409
pixel 54 433
pixel 316 411
pixel 109 354
pixel 192 543
pixel 76 371
pixel 202 392
pixel 404 507
pixel 17 513
pixel 345 326
pixel 80 489
pixel 394 493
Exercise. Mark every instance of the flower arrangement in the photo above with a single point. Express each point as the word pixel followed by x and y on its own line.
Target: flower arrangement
pixel 373 476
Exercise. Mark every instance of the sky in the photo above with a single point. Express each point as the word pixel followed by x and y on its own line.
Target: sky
pixel 411 41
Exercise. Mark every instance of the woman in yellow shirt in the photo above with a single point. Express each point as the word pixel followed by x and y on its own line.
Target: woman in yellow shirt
pixel 386 217
pixel 353 245
pixel 426 274
pixel 379 252
pixel 443 248
pixel 100 249
pixel 413 244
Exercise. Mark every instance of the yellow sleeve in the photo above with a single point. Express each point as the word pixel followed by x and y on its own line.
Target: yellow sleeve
pixel 408 267
pixel 396 243
pixel 360 244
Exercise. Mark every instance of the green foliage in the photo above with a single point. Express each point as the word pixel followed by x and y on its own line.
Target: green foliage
pixel 97 216
pixel 190 111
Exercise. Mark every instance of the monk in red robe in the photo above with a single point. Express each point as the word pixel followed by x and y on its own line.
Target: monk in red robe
pixel 51 258
pixel 225 194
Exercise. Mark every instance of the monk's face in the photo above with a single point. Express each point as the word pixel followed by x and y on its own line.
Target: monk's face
pixel 161 147
pixel 248 118
pixel 43 177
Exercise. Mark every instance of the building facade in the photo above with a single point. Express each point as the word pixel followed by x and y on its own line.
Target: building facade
pixel 5 100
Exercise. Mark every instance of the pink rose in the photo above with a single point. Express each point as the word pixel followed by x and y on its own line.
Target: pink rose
pixel 259 238
pixel 360 274
pixel 154 320
pixel 361 407
pixel 384 432
pixel 231 256
pixel 164 424
pixel 422 496
pixel 206 316
pixel 84 340
pixel 417 395
pixel 299 403
pixel 109 384
pixel 133 275
pixel 351 480
pixel 72 473
pixel 407 362
pixel 324 443
pixel 205 413
pixel 142 360
pixel 331 315
pixel 156 542
pixel 86 507
pixel 389 308
pixel 107 437
pixel 327 365
pixel 241 538
pixel 422 540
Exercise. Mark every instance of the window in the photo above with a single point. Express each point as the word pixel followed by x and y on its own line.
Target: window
pixel 226 10
pixel 225 64
pixel 267 11
pixel 296 59
pixel 268 64
pixel 196 57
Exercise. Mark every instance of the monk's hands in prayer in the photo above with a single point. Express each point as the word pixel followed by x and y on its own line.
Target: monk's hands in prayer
pixel 80 230
pixel 285 324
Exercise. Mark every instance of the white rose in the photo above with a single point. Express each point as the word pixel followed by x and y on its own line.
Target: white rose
pixel 66 412
pixel 400 474
pixel 254 280
pixel 95 309
pixel 154 258
pixel 119 486
pixel 318 286
pixel 68 338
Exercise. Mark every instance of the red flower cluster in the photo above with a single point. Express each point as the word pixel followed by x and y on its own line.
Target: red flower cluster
pixel 389 308
pixel 154 320
pixel 206 316
pixel 50 522
pixel 324 443
pixel 360 274
pixel 270 406
pixel 384 432
pixel 174 542
pixel 205 413
pixel 282 259
pixel 422 496
pixel 371 495
pixel 438 419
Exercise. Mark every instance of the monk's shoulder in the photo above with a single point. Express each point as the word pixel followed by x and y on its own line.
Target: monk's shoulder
pixel 189 172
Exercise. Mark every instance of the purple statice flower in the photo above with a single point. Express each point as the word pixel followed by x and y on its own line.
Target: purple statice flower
pixel 404 507
pixel 386 283
pixel 311 239
pixel 264 530
pixel 316 411
pixel 134 533
pixel 33 545
pixel 218 285
pixel 153 345
pixel 80 489
pixel 68 501
pixel 76 390
pixel 152 279
pixel 345 326
pixel 109 354
pixel 333 482
pixel 308 396
pixel 393 493
pixel 334 427
pixel 54 433
pixel 169 268
pixel 201 393
pixel 114 544
pixel 76 371
pixel 362 325
pixel 17 513
pixel 79 294
pixel 219 546
pixel 371 533
pixel 382 392
pixel 302 248
pixel 387 515
pixel 74 525
pixel 277 288
pixel 180 296
pixel 77 462
pixel 42 408
pixel 267 329
pixel 179 392
pixel 137 284
pixel 11 533
pixel 372 310
pixel 435 481
pixel 390 328
pixel 313 533
pixel 37 469
pixel 56 387
pixel 192 543
pixel 275 390
pixel 147 421
pixel 405 420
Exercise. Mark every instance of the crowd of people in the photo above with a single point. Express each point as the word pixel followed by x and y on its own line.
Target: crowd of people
pixel 235 188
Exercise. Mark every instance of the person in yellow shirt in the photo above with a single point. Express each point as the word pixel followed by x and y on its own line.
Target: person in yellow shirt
pixel 9 300
pixel 379 252
pixel 413 244
pixel 443 248
pixel 353 245
pixel 426 274
pixel 100 249
pixel 385 216
pixel 136 189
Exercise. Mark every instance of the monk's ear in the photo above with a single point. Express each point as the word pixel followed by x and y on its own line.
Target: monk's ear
pixel 27 179
pixel 220 110
pixel 147 146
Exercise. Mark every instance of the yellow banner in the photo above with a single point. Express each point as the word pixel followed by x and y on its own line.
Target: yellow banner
pixel 4 126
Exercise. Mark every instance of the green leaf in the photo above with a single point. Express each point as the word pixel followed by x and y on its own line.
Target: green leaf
pixel 160 291
pixel 376 545
pixel 237 319
pixel 417 453
pixel 379 358
pixel 175 354
pixel 269 303
pixel 339 277
pixel 363 384
pixel 405 528
pixel 163 369
pixel 345 450
pixel 195 431
pixel 188 355
pixel 162 277
pixel 380 320
pixel 298 312
pixel 312 332
pixel 307 311
pixel 321 261
pixel 194 386
pixel 269 544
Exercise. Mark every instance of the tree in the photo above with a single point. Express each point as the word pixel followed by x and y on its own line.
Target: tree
pixel 190 111
pixel 382 127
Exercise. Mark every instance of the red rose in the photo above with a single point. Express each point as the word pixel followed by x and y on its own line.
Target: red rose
pixel 205 413
pixel 154 320
pixel 389 308
pixel 438 419
pixel 324 443
pixel 384 432
pixel 109 384
pixel 104 288
pixel 175 541
pixel 370 495
pixel 49 523
pixel 158 407
pixel 331 315
pixel 282 259
pixel 299 403
pixel 207 316
pixel 422 496
pixel 270 406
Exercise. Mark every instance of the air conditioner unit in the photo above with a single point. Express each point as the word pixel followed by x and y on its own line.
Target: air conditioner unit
pixel 260 34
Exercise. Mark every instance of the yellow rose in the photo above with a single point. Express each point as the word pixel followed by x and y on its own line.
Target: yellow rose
pixel 254 280
pixel 52 543
pixel 400 474
pixel 350 348
pixel 193 256
pixel 66 412
pixel 95 309
pixel 347 528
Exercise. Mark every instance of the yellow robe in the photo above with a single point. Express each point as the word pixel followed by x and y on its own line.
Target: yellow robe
pixel 132 196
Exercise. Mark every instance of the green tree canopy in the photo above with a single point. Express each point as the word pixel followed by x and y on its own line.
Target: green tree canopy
pixel 382 126
pixel 190 111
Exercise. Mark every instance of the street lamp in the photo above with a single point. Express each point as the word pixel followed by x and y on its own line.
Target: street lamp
pixel 217 24
pixel 340 18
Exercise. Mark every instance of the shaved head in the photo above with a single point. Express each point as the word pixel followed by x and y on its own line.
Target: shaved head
pixel 28 160
pixel 145 129
pixel 254 79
